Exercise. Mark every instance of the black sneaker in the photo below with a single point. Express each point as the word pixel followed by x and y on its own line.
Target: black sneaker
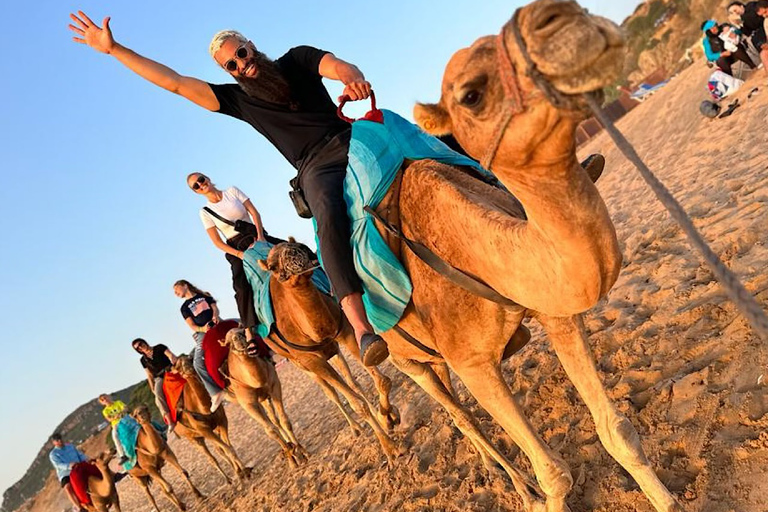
pixel 122 460
pixel 373 349
pixel 120 476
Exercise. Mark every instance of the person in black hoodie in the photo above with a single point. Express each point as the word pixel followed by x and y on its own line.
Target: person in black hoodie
pixel 714 48
pixel 753 24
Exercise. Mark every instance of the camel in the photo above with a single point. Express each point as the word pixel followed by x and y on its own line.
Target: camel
pixel 316 320
pixel 152 452
pixel 256 387
pixel 102 490
pixel 198 424
pixel 551 261
pixel 312 321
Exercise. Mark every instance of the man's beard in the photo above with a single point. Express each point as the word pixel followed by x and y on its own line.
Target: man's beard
pixel 269 84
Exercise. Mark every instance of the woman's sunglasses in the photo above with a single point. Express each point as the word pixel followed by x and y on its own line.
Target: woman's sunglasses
pixel 241 53
pixel 198 182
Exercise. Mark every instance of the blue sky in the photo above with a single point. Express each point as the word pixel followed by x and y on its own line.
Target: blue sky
pixel 99 221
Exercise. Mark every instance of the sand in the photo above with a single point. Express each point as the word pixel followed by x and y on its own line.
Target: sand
pixel 673 352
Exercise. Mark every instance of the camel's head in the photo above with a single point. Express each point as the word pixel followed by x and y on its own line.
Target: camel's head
pixel 573 53
pixel 142 414
pixel 183 366
pixel 290 262
pixel 236 339
pixel 102 460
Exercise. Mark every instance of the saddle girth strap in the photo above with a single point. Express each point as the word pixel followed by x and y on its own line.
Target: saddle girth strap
pixel 416 343
pixel 469 283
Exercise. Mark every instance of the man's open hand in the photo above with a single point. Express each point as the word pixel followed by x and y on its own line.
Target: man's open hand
pixel 98 38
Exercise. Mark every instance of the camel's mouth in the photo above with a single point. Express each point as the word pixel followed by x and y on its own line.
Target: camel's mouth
pixel 288 259
pixel 576 52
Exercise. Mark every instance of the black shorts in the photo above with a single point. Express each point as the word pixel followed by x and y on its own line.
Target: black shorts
pixel 65 481
pixel 758 39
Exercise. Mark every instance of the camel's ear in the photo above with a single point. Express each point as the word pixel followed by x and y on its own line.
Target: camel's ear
pixel 263 265
pixel 433 118
pixel 291 240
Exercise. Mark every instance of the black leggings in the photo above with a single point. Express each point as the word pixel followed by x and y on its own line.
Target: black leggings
pixel 725 63
pixel 322 180
pixel 243 290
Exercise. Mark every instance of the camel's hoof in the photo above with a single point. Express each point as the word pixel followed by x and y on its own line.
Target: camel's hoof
pixel 557 505
pixel 393 418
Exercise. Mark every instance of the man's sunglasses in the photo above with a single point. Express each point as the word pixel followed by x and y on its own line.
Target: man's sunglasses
pixel 198 182
pixel 241 53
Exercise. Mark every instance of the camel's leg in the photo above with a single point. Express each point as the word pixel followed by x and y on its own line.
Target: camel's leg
pixel 283 422
pixel 424 375
pixel 340 363
pixel 358 405
pixel 617 434
pixel 444 373
pixel 387 413
pixel 334 397
pixel 220 439
pixel 484 380
pixel 200 443
pixel 171 459
pixel 256 412
pixel 116 502
pixel 155 475
pixel 144 484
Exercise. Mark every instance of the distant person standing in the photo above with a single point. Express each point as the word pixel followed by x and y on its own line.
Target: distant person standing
pixel 64 456
pixel 113 412
pixel 200 312
pixel 156 360
pixel 754 24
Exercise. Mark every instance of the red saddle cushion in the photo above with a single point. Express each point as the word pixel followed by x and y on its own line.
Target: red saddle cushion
pixel 215 353
pixel 78 478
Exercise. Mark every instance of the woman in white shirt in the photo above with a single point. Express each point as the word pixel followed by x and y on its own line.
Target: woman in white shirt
pixel 231 205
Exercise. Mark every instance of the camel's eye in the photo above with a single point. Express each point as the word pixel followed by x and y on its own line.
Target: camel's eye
pixel 471 92
pixel 471 98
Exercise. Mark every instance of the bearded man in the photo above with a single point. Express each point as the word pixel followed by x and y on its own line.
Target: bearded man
pixel 286 101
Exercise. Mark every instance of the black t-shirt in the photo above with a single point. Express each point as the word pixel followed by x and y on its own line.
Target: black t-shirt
pixel 159 362
pixel 198 308
pixel 295 133
pixel 751 20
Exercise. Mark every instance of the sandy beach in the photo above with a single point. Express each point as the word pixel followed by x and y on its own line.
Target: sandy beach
pixel 673 352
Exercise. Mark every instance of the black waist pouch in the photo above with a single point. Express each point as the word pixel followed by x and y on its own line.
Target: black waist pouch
pixel 298 199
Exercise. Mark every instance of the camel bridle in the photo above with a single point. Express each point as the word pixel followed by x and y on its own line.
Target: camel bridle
pixel 514 101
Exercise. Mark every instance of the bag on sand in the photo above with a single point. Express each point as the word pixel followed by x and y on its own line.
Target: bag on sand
pixel 722 85
pixel 709 109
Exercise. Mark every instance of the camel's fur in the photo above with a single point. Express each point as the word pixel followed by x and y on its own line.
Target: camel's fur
pixel 200 426
pixel 556 261
pixel 152 452
pixel 256 387
pixel 102 489
pixel 307 317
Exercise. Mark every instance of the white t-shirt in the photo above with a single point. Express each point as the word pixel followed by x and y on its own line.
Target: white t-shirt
pixel 230 207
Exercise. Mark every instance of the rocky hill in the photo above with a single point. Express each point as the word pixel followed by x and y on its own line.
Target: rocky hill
pixel 80 427
pixel 662 33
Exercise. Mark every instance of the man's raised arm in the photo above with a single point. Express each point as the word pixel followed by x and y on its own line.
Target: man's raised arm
pixel 101 40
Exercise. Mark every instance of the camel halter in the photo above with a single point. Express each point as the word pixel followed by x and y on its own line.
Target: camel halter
pixel 739 295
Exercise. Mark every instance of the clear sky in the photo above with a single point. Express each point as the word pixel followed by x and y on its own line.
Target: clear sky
pixel 98 220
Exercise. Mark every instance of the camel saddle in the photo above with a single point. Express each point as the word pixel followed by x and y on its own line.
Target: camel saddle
pixel 215 352
pixel 78 478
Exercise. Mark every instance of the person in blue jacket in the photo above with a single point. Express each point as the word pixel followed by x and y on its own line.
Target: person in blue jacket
pixel 715 50
pixel 63 457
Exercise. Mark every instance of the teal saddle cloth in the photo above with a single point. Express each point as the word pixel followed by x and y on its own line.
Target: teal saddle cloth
pixel 259 281
pixel 376 153
pixel 128 433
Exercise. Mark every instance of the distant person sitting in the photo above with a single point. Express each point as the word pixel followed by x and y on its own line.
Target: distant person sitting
pixel 156 360
pixel 113 412
pixel 753 18
pixel 64 456
pixel 715 46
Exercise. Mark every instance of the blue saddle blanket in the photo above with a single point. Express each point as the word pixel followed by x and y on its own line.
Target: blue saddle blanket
pixel 127 434
pixel 376 153
pixel 259 281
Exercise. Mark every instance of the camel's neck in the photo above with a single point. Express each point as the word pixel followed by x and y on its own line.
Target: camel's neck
pixel 306 309
pixel 154 441
pixel 196 398
pixel 102 487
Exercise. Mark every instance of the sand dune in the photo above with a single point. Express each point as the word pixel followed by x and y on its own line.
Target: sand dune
pixel 673 352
